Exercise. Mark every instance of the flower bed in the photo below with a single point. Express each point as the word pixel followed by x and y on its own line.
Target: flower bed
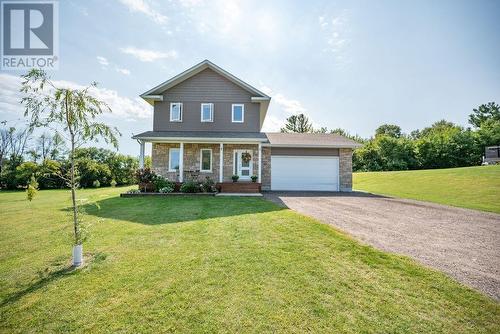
pixel 143 194
pixel 151 184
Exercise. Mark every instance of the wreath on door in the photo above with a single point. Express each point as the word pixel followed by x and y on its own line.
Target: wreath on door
pixel 246 157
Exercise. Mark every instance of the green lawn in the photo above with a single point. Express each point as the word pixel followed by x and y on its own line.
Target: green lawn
pixel 188 264
pixel 470 187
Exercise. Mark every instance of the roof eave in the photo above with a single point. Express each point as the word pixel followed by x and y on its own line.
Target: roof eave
pixel 152 98
pixel 353 146
pixel 199 140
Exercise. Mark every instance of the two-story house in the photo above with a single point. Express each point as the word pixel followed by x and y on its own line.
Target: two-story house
pixel 207 122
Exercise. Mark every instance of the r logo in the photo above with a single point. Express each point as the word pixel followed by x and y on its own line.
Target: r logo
pixel 30 34
pixel 28 29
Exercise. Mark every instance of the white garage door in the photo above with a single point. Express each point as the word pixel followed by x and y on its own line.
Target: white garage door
pixel 304 173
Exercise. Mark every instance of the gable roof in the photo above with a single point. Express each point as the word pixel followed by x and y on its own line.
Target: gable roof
pixel 154 94
pixel 258 95
pixel 278 139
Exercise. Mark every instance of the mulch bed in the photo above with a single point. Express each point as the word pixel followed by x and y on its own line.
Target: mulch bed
pixel 166 194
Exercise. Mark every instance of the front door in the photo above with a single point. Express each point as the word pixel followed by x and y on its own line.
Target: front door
pixel 243 163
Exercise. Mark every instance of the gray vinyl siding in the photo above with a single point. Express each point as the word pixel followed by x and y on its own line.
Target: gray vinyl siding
pixel 191 118
pixel 301 151
pixel 206 87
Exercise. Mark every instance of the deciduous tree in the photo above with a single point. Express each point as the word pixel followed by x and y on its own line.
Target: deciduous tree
pixel 390 130
pixel 72 112
pixel 485 112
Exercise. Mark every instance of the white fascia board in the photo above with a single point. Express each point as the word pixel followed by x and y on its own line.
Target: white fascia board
pixel 153 97
pixel 196 140
pixel 312 146
pixel 260 98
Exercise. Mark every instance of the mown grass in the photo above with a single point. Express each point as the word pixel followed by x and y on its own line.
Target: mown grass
pixel 470 187
pixel 188 264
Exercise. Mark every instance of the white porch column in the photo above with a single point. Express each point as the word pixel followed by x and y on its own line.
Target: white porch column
pixel 221 162
pixel 141 154
pixel 260 163
pixel 181 162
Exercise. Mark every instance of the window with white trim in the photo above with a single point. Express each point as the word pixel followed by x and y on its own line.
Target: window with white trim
pixel 173 159
pixel 176 112
pixel 238 113
pixel 207 112
pixel 206 160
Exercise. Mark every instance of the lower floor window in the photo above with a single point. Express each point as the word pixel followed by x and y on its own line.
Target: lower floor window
pixel 173 159
pixel 206 160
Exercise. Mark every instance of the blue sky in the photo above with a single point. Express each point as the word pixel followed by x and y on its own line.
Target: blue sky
pixel 348 64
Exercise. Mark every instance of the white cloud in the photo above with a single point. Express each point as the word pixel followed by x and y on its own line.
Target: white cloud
pixel 335 31
pixel 122 107
pixel 191 3
pixel 280 108
pixel 103 61
pixel 322 22
pixel 148 55
pixel 123 71
pixel 82 10
pixel 236 23
pixel 10 96
pixel 290 106
pixel 272 123
pixel 142 6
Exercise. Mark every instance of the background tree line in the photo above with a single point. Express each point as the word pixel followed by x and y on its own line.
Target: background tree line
pixel 46 158
pixel 442 145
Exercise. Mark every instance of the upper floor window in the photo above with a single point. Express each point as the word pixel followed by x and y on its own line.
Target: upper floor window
pixel 238 113
pixel 175 112
pixel 207 112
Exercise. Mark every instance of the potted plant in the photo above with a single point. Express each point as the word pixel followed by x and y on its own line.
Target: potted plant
pixel 235 178
pixel 254 178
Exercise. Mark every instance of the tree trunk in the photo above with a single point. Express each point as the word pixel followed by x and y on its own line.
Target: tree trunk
pixel 73 191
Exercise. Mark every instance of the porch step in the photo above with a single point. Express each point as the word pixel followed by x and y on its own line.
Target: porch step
pixel 240 194
pixel 239 187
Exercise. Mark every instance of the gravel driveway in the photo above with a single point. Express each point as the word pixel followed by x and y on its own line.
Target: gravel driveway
pixel 463 243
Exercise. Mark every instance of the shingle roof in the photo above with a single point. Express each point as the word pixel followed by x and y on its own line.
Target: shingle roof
pixel 310 139
pixel 271 138
pixel 201 134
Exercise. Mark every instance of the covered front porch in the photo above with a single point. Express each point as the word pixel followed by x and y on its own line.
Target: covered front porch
pixel 184 160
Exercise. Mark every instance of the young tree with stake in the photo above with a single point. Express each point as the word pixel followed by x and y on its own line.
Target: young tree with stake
pixel 72 113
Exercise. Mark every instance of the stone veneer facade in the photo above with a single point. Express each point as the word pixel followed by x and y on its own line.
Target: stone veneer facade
pixel 266 168
pixel 345 166
pixel 192 162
